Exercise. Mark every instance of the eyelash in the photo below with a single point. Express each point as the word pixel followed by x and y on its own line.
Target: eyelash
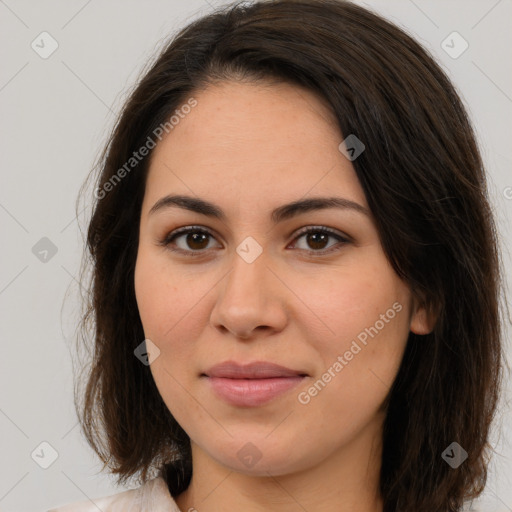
pixel 169 238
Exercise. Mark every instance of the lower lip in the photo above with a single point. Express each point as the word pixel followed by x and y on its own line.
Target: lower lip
pixel 252 392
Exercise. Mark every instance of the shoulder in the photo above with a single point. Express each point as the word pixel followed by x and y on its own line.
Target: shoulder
pixel 153 495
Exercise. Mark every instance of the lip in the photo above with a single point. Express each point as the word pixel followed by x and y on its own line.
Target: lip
pixel 252 384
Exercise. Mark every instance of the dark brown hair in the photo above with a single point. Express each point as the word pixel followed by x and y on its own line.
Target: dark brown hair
pixel 424 181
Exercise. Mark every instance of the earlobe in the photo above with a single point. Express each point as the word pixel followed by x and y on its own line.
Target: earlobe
pixel 423 319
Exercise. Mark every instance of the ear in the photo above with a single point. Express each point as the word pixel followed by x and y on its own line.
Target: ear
pixel 423 318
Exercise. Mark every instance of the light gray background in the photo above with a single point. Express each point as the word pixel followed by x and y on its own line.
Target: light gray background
pixel 55 115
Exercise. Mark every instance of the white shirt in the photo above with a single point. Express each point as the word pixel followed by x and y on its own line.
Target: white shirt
pixel 153 496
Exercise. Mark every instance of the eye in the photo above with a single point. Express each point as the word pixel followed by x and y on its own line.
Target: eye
pixel 194 240
pixel 317 237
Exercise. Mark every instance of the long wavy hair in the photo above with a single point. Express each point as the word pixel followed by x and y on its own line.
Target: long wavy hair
pixel 425 184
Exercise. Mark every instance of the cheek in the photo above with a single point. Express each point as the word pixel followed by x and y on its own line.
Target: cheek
pixel 366 321
pixel 356 303
pixel 168 300
pixel 169 309
pixel 359 368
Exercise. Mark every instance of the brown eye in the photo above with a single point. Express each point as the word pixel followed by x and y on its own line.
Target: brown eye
pixel 188 240
pixel 196 240
pixel 317 239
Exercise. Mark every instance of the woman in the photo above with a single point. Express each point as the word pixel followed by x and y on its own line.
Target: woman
pixel 295 274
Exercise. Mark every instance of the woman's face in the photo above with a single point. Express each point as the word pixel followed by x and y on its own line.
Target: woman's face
pixel 247 285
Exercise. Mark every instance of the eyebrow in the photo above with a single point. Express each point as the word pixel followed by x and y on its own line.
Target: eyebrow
pixel 279 214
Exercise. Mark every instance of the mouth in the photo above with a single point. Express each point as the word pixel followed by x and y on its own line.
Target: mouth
pixel 252 384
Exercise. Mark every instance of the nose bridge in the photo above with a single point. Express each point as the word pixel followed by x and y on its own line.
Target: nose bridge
pixel 247 282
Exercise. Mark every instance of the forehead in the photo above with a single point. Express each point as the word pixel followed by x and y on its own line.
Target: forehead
pixel 253 142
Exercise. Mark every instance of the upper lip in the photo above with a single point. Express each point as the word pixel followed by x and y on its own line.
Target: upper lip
pixel 254 370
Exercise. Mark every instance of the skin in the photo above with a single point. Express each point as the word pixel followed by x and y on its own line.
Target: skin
pixel 249 148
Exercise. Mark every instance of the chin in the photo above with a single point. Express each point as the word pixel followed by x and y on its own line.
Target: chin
pixel 261 458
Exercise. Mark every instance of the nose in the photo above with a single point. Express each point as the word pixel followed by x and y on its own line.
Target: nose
pixel 250 299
